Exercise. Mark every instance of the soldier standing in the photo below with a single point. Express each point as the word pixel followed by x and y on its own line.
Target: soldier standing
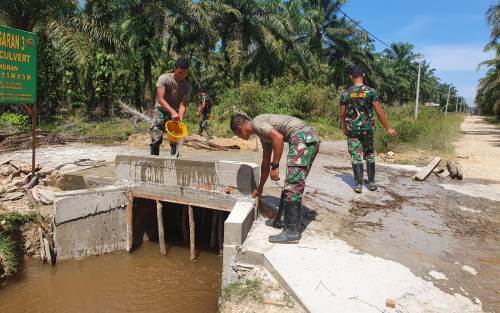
pixel 205 113
pixel 273 131
pixel 172 97
pixel 357 105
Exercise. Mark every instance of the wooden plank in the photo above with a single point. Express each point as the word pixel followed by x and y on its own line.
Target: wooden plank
pixel 130 208
pixel 220 230
pixel 256 208
pixel 161 231
pixel 213 230
pixel 184 227
pixel 191 233
pixel 175 199
pixel 423 173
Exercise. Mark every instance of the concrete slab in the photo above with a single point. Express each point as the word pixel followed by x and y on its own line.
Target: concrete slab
pixel 73 205
pixel 198 174
pixel 326 275
pixel 90 222
pixel 239 222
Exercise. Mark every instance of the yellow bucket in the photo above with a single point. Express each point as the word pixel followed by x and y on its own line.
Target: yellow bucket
pixel 176 131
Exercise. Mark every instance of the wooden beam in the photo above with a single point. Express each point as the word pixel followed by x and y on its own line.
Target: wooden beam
pixel 191 233
pixel 213 229
pixel 175 199
pixel 184 227
pixel 130 230
pixel 161 231
pixel 423 173
pixel 220 230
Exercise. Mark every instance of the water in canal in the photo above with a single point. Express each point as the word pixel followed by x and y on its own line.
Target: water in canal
pixel 141 281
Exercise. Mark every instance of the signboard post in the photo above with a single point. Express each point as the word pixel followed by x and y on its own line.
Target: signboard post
pixel 18 60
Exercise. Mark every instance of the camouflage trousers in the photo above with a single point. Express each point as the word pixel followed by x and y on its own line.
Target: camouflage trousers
pixel 303 148
pixel 204 125
pixel 158 127
pixel 360 147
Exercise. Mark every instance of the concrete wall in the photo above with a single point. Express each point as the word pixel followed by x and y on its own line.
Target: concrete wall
pixel 90 222
pixel 236 227
pixel 217 176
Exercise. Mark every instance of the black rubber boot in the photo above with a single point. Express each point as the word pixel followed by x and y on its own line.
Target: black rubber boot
pixel 173 149
pixel 154 148
pixel 370 169
pixel 357 170
pixel 278 221
pixel 290 233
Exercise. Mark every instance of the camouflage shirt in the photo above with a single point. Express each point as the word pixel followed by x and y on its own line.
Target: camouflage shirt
pixel 358 100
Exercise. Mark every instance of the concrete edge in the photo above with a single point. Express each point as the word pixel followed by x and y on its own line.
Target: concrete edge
pixel 239 222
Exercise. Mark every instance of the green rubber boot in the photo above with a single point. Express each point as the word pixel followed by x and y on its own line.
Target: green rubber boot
pixel 370 169
pixel 357 170
pixel 278 221
pixel 290 233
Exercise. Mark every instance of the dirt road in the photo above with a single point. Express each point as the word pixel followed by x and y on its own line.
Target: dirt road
pixel 478 150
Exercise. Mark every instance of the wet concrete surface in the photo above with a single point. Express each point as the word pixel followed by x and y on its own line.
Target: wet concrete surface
pixel 141 281
pixel 418 224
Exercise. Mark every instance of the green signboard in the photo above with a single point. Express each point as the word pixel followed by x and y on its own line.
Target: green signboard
pixel 17 66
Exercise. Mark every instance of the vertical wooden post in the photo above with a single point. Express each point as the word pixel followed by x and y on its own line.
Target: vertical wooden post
pixel 256 210
pixel 221 231
pixel 130 229
pixel 184 224
pixel 213 229
pixel 161 231
pixel 191 233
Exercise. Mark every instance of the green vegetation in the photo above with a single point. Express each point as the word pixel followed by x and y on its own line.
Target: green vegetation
pixel 13 120
pixel 93 53
pixel 493 120
pixel 239 291
pixel 433 131
pixel 488 92
pixel 9 240
pixel 117 129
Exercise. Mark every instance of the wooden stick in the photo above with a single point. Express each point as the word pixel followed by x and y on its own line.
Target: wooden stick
pixel 161 231
pixel 221 231
pixel 130 207
pixel 256 209
pixel 213 229
pixel 191 233
pixel 184 218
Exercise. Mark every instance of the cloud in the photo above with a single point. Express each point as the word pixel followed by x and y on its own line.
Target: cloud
pixel 458 58
pixel 419 24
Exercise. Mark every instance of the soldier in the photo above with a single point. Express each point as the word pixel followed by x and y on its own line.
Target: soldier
pixel 205 113
pixel 273 130
pixel 357 104
pixel 172 97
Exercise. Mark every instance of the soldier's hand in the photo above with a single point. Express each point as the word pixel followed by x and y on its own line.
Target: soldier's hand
pixel 257 192
pixel 275 174
pixel 392 132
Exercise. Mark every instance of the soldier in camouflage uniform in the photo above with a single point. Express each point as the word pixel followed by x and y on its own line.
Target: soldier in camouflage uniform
pixel 172 97
pixel 273 131
pixel 358 104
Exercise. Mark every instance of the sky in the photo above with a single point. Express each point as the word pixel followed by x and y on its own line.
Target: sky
pixel 450 33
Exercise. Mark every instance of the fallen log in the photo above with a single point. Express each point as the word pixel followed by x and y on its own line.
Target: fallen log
pixel 423 173
pixel 208 145
pixel 455 173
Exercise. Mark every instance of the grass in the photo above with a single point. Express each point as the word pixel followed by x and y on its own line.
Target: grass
pixel 239 291
pixel 432 131
pixel 493 120
pixel 9 241
pixel 118 129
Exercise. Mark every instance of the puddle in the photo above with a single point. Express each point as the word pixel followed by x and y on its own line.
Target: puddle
pixel 141 281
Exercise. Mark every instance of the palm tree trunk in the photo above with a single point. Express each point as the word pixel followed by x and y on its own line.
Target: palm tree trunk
pixel 147 80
